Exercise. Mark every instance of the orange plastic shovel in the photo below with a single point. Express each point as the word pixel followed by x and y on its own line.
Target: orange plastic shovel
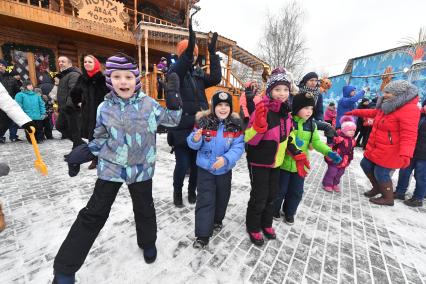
pixel 38 164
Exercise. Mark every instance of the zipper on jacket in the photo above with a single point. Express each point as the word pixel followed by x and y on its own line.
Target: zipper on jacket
pixel 390 137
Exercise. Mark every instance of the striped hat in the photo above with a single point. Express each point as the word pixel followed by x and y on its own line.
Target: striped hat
pixel 278 77
pixel 121 62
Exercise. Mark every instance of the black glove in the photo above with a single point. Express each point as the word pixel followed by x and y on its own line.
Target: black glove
pixel 191 42
pixel 172 88
pixel 27 126
pixel 212 44
pixel 329 131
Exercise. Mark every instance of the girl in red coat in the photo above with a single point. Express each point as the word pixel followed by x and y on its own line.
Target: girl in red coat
pixel 392 139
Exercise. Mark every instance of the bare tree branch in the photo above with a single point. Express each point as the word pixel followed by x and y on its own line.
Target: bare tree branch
pixel 283 43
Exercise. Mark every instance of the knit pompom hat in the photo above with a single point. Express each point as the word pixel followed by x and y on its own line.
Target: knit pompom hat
pixel 277 77
pixel 182 45
pixel 347 123
pixel 121 62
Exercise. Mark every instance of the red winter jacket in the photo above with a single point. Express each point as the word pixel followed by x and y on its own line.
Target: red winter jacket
pixel 393 137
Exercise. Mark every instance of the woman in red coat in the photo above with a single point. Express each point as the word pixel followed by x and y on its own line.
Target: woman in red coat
pixel 392 139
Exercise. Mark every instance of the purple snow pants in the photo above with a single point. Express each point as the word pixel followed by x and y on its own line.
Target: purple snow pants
pixel 333 175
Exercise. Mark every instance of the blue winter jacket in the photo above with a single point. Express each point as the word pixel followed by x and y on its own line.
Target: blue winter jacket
pixel 124 137
pixel 347 103
pixel 31 103
pixel 217 144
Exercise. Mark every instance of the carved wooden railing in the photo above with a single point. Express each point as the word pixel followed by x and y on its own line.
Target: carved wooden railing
pixel 65 7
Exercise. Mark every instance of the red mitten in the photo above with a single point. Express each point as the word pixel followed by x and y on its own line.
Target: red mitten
pixel 260 124
pixel 343 163
pixel 338 140
pixel 349 113
pixel 301 163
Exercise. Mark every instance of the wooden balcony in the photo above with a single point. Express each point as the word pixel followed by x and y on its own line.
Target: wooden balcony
pixel 61 18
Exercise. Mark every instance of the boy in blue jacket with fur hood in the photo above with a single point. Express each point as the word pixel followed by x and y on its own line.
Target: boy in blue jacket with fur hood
pixel 219 140
pixel 124 141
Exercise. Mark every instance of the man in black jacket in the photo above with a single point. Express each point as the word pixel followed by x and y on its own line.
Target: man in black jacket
pixel 68 121
pixel 193 82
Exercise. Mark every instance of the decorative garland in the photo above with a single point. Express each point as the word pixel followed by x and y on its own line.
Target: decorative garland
pixel 8 47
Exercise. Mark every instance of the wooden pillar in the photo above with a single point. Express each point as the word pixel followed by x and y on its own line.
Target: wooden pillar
pixel 136 13
pixel 139 39
pixel 31 68
pixel 146 61
pixel 207 59
pixel 154 80
pixel 61 6
pixel 228 67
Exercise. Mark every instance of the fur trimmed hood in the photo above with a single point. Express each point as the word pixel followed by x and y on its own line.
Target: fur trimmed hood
pixel 404 92
pixel 207 120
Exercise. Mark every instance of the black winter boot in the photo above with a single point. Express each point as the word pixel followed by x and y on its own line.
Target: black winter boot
pixel 150 254
pixel 414 202
pixel 177 199
pixel 192 196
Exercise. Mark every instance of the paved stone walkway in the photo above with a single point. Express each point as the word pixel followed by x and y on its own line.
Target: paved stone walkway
pixel 337 238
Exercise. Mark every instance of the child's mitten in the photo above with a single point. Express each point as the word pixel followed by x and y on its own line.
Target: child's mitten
pixel 335 158
pixel 301 163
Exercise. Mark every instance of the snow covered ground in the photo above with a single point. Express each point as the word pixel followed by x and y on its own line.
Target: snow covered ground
pixel 337 238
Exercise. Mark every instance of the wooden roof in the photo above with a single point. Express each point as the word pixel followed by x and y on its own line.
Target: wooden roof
pixel 176 34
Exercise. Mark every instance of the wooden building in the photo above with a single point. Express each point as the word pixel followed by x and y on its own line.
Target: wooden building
pixel 35 32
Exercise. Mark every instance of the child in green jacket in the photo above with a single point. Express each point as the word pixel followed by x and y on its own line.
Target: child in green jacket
pixel 306 133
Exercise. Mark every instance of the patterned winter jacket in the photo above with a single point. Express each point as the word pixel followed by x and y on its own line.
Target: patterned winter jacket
pixel 125 136
pixel 268 149
pixel 219 139
pixel 305 133
pixel 344 146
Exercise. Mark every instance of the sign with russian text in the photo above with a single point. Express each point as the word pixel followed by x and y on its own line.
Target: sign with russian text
pixel 108 12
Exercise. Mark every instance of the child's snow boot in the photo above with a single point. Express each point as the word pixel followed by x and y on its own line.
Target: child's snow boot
pixel 336 188
pixel 63 278
pixel 328 188
pixel 269 233
pixel 150 254
pixel 256 238
pixel 200 242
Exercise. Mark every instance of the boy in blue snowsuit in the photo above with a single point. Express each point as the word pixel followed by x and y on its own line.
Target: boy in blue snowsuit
pixel 124 142
pixel 219 140
pixel 348 102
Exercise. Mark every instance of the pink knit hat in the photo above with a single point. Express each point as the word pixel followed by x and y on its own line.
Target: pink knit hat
pixel 347 123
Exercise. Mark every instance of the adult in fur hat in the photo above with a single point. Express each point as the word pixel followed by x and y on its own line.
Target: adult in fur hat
pixel 193 82
pixel 393 137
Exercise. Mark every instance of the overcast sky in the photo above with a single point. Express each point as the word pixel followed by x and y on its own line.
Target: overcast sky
pixel 335 30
